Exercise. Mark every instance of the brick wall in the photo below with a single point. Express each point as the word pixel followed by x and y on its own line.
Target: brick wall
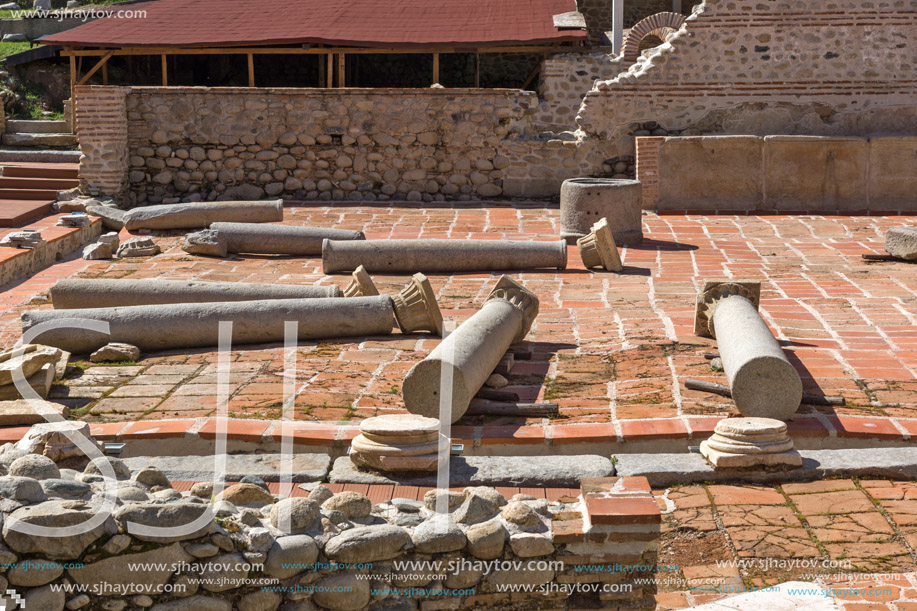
pixel 101 127
pixel 599 17
pixel 780 67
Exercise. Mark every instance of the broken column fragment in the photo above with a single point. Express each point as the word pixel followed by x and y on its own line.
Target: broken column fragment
pixel 75 293
pixel 400 442
pixel 762 380
pixel 410 256
pixel 476 348
pixel 361 285
pixel 598 248
pixel 750 442
pixel 266 239
pixel 416 308
pixel 195 325
pixel 901 242
pixel 196 215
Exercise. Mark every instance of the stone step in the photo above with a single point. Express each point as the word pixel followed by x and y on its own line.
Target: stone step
pixel 269 467
pixel 20 126
pixel 21 156
pixel 37 182
pixel 57 171
pixel 14 213
pixel 36 194
pixel 40 139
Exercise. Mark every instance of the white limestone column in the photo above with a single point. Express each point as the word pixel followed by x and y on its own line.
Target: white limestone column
pixel 763 382
pixel 478 345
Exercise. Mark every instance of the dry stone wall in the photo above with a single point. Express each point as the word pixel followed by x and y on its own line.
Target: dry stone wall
pixel 782 67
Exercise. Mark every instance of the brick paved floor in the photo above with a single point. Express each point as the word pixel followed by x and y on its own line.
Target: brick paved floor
pixel 726 537
pixel 610 349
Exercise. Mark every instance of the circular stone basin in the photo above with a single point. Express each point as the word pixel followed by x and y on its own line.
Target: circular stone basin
pixel 583 201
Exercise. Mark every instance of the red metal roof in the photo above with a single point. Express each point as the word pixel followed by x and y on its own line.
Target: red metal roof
pixel 364 23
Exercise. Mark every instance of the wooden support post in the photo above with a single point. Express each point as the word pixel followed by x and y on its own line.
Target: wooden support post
pixel 321 71
pixel 165 70
pixel 72 75
pixel 342 74
pixel 477 70
pixel 436 68
pixel 251 70
pixel 330 82
pixel 99 64
pixel 104 74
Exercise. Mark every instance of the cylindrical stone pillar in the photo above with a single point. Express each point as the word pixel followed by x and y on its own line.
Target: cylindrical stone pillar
pixel 74 293
pixel 195 325
pixel 279 239
pixel 763 382
pixel 195 215
pixel 411 256
pixel 583 201
pixel 476 348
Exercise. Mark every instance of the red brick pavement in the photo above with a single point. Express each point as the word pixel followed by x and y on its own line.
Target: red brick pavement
pixel 612 350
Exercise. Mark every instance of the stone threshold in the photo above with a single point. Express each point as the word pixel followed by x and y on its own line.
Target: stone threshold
pixel 673 435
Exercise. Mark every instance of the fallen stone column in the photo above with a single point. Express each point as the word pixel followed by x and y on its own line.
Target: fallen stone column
pixel 476 348
pixel 763 382
pixel 273 239
pixel 195 325
pixel 75 293
pixel 410 256
pixel 192 216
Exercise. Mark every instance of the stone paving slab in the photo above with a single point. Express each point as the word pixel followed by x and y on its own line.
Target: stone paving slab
pixel 612 350
pixel 677 469
pixel 536 471
pixel 789 596
pixel 305 467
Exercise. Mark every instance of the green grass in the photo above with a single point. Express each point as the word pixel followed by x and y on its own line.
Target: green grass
pixel 12 48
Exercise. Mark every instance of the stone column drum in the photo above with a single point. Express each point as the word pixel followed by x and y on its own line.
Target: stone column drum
pixel 196 325
pixel 410 256
pixel 72 293
pixel 194 215
pixel 583 201
pixel 763 382
pixel 277 239
pixel 477 346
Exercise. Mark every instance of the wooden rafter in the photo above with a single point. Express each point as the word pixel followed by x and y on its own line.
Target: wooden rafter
pixel 95 68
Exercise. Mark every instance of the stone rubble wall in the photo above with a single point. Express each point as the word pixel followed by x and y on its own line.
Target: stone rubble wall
pixel 335 552
pixel 565 79
pixel 199 144
pixel 783 173
pixel 782 67
pixel 358 145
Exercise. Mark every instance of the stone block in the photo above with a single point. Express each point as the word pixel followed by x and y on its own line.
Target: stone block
pixel 710 173
pixel 893 173
pixel 815 173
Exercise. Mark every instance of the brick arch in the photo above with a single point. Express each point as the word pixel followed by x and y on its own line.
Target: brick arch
pixel 661 25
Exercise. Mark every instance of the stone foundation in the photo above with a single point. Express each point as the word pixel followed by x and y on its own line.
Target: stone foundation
pixel 318 549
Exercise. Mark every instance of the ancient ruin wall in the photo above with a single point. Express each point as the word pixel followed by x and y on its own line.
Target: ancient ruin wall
pixel 781 67
pixel 359 144
pixel 188 143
